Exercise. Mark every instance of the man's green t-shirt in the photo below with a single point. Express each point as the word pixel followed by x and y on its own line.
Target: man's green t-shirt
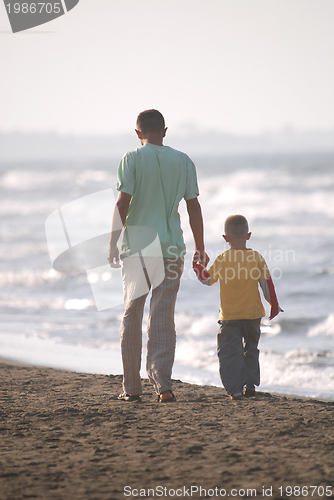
pixel 157 177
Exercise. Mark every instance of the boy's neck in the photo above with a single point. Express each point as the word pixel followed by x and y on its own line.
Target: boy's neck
pixel 238 247
pixel 237 242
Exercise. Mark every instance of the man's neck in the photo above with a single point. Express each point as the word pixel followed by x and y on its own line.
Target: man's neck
pixel 155 138
pixel 152 140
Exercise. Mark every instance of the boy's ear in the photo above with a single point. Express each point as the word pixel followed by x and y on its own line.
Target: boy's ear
pixel 248 236
pixel 165 131
pixel 139 134
pixel 226 238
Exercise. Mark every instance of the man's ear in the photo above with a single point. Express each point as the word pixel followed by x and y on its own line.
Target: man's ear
pixel 165 131
pixel 139 134
pixel 225 238
pixel 248 236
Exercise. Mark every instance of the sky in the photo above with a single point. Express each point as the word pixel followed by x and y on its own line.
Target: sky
pixel 237 66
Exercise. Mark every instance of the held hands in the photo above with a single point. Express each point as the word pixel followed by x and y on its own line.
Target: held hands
pixel 201 272
pixel 113 256
pixel 199 263
pixel 201 257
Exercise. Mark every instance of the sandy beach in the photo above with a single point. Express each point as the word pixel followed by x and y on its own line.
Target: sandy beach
pixel 66 436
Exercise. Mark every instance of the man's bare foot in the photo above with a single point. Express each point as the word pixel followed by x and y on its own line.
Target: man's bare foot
pixel 167 396
pixel 129 397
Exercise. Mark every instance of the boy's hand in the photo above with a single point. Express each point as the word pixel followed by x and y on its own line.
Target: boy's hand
pixel 274 311
pixel 201 272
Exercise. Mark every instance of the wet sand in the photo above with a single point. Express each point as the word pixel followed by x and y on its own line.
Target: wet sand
pixel 65 436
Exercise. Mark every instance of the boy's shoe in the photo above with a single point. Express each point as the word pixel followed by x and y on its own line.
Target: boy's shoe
pixel 249 392
pixel 236 396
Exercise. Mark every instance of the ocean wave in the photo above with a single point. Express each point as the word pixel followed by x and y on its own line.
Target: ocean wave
pixel 188 325
pixel 29 277
pixel 19 250
pixel 197 355
pixel 27 207
pixel 23 304
pixel 249 192
pixel 78 338
pixel 298 372
pixel 324 328
pixel 270 328
pixel 25 180
pixel 87 176
pixel 307 357
pixel 78 304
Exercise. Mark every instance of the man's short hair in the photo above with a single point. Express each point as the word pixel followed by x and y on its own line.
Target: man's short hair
pixel 236 225
pixel 150 120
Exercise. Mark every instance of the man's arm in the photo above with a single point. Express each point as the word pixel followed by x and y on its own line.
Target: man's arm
pixel 118 221
pixel 196 225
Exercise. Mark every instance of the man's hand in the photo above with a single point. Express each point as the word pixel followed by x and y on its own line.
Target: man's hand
pixel 200 256
pixel 113 256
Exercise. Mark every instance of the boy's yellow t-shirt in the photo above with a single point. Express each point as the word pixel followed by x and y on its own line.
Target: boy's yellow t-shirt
pixel 239 272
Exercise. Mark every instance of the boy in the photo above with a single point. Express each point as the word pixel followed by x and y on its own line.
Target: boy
pixel 239 270
pixel 152 180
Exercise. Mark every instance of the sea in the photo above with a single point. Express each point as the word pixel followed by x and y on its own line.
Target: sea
pixel 53 315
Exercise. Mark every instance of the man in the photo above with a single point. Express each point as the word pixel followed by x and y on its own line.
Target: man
pixel 152 180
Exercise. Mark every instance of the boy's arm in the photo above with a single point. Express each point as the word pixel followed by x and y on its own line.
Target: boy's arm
pixel 269 293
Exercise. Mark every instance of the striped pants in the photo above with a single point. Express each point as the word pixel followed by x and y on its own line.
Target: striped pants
pixel 161 335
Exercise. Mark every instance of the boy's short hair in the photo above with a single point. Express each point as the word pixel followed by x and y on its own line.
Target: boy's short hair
pixel 236 225
pixel 150 120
